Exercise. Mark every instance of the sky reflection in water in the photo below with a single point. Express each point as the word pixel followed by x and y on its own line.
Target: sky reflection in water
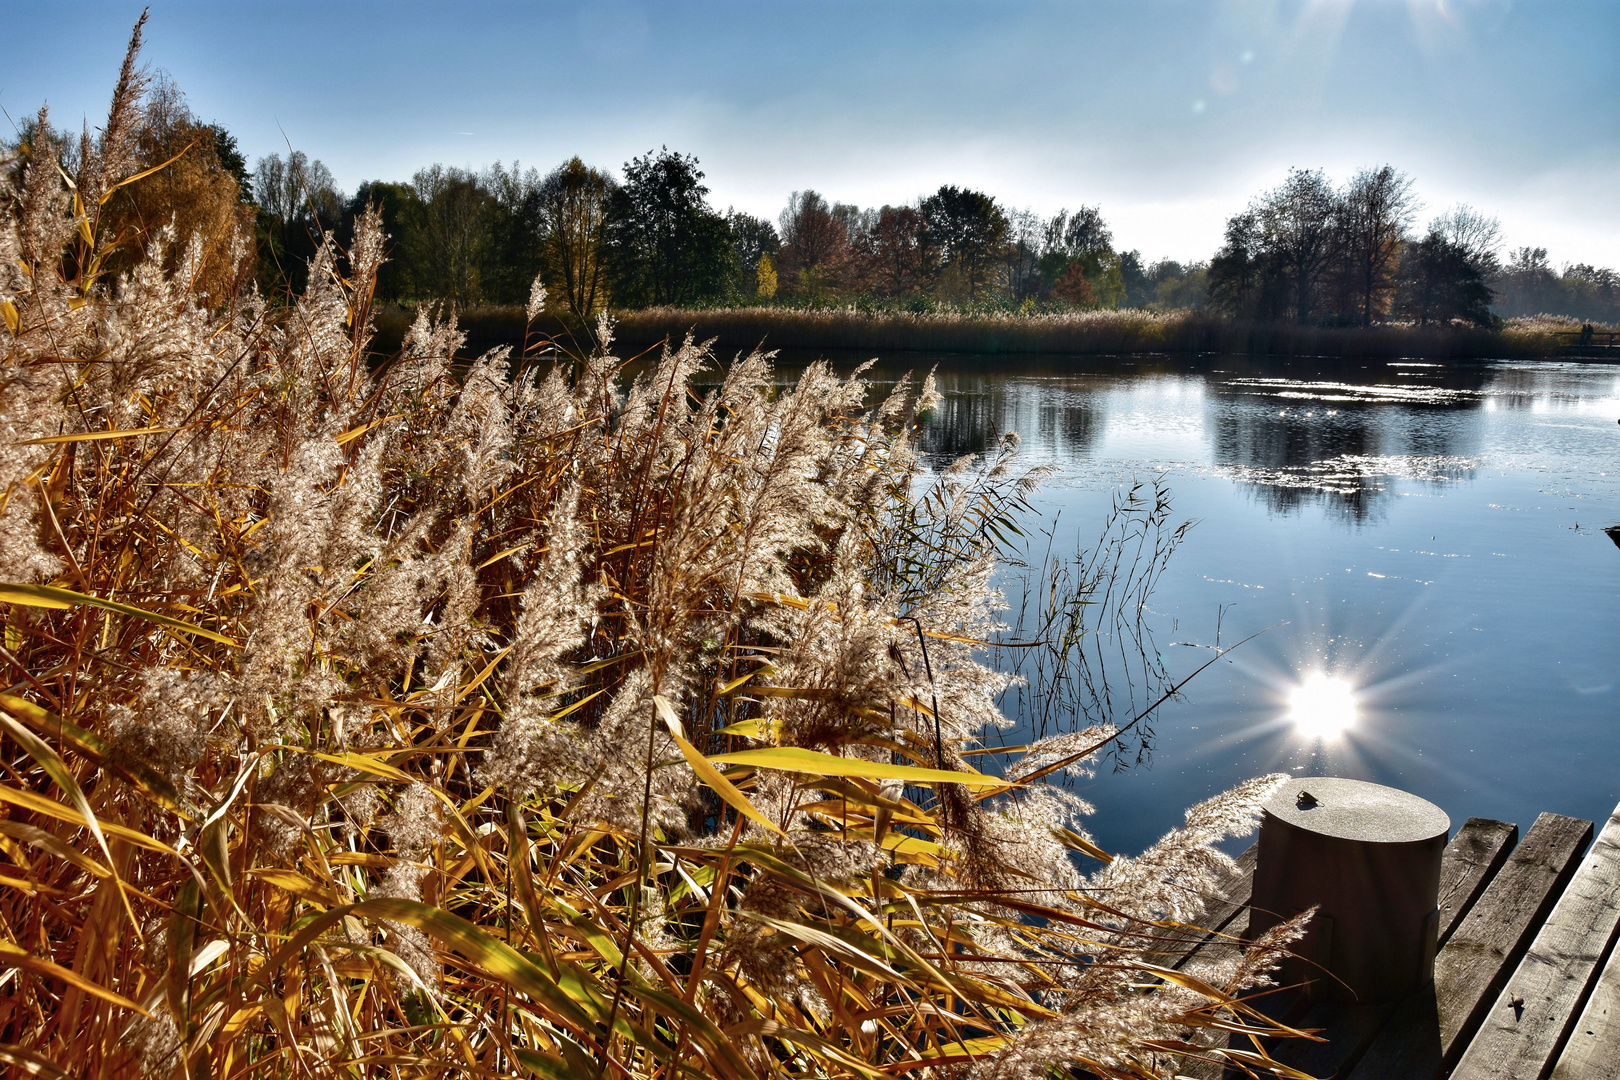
pixel 1430 535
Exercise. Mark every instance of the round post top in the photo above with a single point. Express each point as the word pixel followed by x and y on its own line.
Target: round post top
pixel 1357 810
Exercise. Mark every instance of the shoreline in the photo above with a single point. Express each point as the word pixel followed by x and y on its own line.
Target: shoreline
pixel 1097 333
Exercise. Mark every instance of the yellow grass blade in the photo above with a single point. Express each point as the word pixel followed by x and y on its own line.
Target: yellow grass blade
pixel 59 773
pixel 50 808
pixel 297 884
pixel 94 747
pixel 488 953
pixel 51 596
pixel 1265 1061
pixel 855 957
pixel 489 669
pixel 1075 842
pixel 749 729
pixel 808 1041
pixel 707 772
pixel 21 958
pixel 144 173
pixel 96 436
pixel 950 1053
pixel 549 1067
pixel 365 763
pixel 499 555
pixel 352 434
pixel 39 838
pixel 182 937
pixel 798 760
pixel 28 1064
pixel 731 686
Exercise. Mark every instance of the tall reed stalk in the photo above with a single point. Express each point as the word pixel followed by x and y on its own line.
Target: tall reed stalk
pixel 499 718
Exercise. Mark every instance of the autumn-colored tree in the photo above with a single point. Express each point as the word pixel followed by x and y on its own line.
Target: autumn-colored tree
pixel 891 251
pixel 815 243
pixel 193 191
pixel 765 278
pixel 751 238
pixel 1073 288
pixel 1083 238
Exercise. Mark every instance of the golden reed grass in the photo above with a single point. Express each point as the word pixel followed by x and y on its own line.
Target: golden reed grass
pixel 505 719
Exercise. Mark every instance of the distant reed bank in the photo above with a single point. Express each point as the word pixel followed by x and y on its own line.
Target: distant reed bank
pixel 1101 333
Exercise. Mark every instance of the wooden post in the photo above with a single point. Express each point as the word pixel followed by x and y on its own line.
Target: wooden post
pixel 1368 857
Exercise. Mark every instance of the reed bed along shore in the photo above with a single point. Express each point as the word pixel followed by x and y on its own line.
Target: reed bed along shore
pixel 1094 333
pixel 1091 333
pixel 473 718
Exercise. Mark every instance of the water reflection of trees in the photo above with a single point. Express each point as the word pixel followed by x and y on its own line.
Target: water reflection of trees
pixel 965 423
pixel 1344 429
pixel 1292 453
pixel 1522 386
pixel 1060 424
pixel 1276 448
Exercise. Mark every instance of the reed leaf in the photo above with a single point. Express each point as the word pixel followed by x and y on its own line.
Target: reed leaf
pixel 55 597
pixel 797 759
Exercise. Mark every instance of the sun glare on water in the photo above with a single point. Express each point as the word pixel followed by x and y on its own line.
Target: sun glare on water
pixel 1323 706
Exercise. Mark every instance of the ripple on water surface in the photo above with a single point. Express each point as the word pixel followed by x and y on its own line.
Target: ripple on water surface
pixel 1430 536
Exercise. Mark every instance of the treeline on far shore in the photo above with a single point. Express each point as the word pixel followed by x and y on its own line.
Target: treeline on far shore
pixel 1088 333
pixel 1310 267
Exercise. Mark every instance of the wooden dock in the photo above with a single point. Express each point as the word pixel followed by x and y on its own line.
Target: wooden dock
pixel 1527 979
pixel 1589 344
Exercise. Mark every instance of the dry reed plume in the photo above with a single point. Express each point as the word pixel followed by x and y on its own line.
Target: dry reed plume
pixel 499 718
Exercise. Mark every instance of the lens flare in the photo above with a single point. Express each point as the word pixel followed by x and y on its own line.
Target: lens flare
pixel 1323 706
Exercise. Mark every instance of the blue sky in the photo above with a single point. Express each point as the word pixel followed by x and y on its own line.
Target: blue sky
pixel 1169 115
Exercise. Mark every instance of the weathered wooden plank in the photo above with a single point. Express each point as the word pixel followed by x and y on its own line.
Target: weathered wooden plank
pixel 1593 1050
pixel 1431 1027
pixel 1472 858
pixel 1177 946
pixel 1531 1019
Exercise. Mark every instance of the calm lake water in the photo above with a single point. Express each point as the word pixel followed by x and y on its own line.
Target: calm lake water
pixel 1425 542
